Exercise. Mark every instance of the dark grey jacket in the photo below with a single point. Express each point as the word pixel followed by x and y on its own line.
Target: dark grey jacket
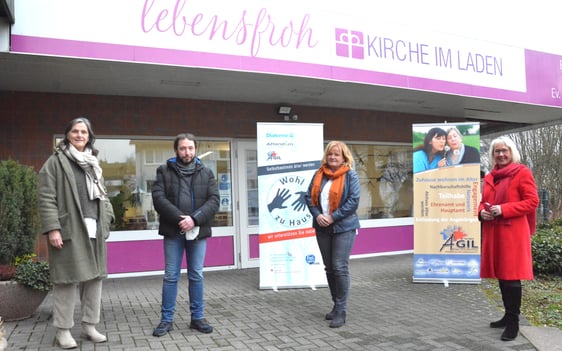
pixel 345 216
pixel 174 195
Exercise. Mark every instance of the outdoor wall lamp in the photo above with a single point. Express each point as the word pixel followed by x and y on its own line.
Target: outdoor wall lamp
pixel 285 112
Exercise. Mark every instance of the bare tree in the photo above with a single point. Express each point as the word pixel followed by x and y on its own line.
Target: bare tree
pixel 541 150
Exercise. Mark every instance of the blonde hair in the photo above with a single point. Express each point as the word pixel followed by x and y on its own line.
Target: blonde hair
pixel 515 155
pixel 346 153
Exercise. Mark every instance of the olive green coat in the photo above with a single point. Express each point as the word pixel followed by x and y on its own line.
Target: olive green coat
pixel 81 258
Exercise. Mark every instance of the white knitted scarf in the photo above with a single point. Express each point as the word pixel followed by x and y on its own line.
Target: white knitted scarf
pixel 90 164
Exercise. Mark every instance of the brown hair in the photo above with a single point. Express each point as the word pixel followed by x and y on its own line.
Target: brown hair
pixel 91 135
pixel 183 136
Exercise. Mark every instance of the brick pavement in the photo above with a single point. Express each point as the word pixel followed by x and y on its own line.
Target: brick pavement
pixel 386 312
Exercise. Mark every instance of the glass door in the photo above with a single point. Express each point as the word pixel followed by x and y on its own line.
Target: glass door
pixel 248 240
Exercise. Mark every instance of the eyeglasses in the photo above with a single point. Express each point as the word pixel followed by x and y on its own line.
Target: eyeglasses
pixel 501 151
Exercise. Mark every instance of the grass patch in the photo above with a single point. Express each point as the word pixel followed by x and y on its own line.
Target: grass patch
pixel 542 299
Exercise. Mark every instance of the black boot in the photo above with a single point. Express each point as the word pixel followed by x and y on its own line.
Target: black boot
pixel 332 286
pixel 512 310
pixel 338 319
pixel 511 330
pixel 341 289
pixel 503 321
pixel 330 315
pixel 500 323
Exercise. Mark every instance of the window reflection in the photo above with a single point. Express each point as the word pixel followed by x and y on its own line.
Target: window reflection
pixel 385 174
pixel 129 168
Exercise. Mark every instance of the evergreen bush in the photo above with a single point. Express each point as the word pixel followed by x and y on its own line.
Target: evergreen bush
pixel 33 274
pixel 547 249
pixel 19 212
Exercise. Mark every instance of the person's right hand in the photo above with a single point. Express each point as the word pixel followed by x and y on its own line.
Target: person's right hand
pixel 55 239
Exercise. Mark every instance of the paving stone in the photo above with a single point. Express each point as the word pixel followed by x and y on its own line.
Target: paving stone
pixel 386 311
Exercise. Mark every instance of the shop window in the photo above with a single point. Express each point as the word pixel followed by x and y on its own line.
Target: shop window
pixel 385 174
pixel 129 167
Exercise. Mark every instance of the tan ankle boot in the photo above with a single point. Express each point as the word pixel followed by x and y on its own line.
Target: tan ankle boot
pixel 90 332
pixel 65 339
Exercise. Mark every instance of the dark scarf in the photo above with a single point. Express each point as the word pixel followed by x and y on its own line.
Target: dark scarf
pixel 185 169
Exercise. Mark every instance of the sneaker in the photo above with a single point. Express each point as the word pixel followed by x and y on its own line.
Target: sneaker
pixel 201 325
pixel 162 329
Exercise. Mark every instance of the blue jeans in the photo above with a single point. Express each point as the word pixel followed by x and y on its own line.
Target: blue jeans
pixel 173 254
pixel 335 250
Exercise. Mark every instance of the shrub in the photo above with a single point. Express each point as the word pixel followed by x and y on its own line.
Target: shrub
pixel 33 274
pixel 547 250
pixel 19 215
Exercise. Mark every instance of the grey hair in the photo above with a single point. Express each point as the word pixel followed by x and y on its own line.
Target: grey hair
pixel 454 129
pixel 515 155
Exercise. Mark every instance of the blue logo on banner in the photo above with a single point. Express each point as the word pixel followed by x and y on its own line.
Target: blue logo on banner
pixel 310 259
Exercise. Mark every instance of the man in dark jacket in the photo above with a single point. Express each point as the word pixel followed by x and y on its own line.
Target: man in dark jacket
pixel 186 197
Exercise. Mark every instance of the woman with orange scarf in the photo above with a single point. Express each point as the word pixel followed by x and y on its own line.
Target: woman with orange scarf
pixel 507 212
pixel 333 198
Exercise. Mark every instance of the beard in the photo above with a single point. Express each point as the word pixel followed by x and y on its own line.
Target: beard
pixel 185 160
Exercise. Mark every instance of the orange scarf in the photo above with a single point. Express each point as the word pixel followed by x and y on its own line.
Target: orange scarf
pixel 336 190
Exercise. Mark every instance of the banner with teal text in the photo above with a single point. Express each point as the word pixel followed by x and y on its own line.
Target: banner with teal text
pixel 288 156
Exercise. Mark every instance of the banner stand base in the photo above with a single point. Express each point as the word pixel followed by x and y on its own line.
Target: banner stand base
pixel 446 282
pixel 311 287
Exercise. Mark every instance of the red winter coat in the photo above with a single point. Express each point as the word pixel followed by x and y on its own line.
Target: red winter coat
pixel 506 240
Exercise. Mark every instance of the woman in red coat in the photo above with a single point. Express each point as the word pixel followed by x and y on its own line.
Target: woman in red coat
pixel 507 212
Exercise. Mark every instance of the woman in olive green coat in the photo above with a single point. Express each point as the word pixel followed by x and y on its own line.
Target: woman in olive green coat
pixel 75 215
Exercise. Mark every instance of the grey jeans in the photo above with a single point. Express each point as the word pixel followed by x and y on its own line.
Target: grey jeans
pixel 335 250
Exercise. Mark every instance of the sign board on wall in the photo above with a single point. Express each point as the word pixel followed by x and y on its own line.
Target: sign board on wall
pixel 328 40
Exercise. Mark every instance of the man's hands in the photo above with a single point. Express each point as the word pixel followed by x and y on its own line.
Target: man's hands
pixel 186 223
